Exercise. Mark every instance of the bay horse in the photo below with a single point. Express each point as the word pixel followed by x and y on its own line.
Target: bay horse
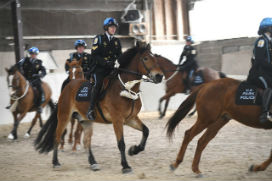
pixel 75 72
pixel 22 99
pixel 174 80
pixel 215 105
pixel 118 110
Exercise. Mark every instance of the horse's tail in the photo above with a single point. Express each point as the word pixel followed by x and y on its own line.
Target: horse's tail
pixel 44 143
pixel 52 105
pixel 222 75
pixel 182 111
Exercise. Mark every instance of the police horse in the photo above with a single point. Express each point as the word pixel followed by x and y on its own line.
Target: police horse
pixel 120 106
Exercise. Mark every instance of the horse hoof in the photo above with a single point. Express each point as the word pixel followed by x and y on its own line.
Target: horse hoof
pixel 172 168
pixel 26 135
pixel 126 170
pixel 199 175
pixel 95 167
pixel 78 147
pixel 132 150
pixel 251 168
pixel 56 166
pixel 11 137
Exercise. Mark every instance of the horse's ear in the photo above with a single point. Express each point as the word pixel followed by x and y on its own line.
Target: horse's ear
pixel 80 62
pixel 148 47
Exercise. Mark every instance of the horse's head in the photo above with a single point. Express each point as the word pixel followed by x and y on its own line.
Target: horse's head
pixel 148 64
pixel 75 70
pixel 13 79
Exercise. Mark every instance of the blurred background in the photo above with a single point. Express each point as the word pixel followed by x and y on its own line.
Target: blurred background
pixel 224 32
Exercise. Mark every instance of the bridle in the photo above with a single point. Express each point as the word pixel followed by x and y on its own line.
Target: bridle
pixel 148 70
pixel 17 88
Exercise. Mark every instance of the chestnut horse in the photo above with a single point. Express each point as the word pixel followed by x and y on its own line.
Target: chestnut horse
pixel 120 105
pixel 174 80
pixel 215 105
pixel 75 72
pixel 22 100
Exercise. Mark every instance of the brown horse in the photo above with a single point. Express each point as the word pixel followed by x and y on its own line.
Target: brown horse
pixel 75 72
pixel 174 80
pixel 120 106
pixel 215 104
pixel 22 100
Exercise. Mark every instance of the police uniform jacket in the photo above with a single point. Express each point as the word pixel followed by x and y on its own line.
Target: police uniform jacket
pixel 87 63
pixel 105 52
pixel 29 67
pixel 190 53
pixel 262 59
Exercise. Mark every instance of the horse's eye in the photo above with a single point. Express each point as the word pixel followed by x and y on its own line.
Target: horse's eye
pixel 145 59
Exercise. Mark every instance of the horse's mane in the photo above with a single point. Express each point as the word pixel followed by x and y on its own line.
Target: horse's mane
pixel 126 58
pixel 165 59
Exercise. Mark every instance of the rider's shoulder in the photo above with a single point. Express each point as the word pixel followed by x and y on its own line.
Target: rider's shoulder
pixel 260 42
pixel 97 39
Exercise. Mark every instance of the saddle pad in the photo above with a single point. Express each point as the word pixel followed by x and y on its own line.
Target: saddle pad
pixel 247 94
pixel 198 79
pixel 84 92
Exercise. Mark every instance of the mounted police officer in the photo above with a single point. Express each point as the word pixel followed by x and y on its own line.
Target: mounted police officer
pixel 189 65
pixel 106 50
pixel 260 73
pixel 86 64
pixel 33 71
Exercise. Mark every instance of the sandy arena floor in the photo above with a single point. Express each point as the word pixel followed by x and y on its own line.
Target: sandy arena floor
pixel 227 157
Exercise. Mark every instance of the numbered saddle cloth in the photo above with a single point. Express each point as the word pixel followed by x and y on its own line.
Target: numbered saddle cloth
pixel 84 92
pixel 248 94
pixel 198 78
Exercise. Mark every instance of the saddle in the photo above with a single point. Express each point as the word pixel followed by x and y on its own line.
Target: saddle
pixel 248 94
pixel 85 90
pixel 197 78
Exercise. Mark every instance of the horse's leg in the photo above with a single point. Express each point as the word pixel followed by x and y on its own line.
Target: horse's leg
pixel 263 166
pixel 192 113
pixel 40 120
pixel 63 120
pixel 165 107
pixel 33 122
pixel 13 134
pixel 77 137
pixel 189 134
pixel 137 124
pixel 209 134
pixel 167 98
pixel 89 132
pixel 70 140
pixel 62 141
pixel 118 129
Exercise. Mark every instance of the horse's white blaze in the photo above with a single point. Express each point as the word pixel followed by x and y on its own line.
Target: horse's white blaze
pixel 74 70
pixel 10 136
pixel 10 83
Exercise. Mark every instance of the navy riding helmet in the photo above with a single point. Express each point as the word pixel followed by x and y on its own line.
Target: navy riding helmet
pixel 189 39
pixel 80 43
pixel 33 50
pixel 265 26
pixel 109 22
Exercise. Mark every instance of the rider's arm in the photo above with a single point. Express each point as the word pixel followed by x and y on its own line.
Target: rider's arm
pixel 97 51
pixel 42 71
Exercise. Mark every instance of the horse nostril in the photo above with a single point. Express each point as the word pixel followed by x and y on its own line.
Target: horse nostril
pixel 158 77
